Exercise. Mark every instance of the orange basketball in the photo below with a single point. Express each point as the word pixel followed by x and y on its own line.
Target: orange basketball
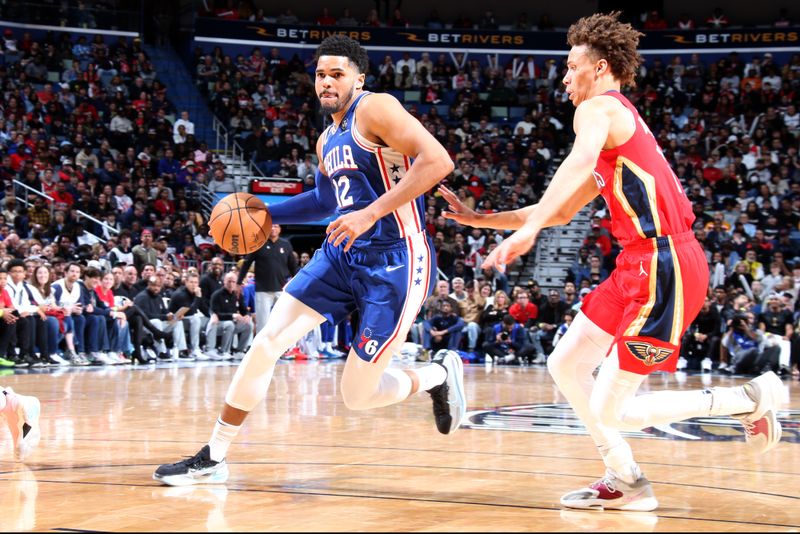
pixel 240 223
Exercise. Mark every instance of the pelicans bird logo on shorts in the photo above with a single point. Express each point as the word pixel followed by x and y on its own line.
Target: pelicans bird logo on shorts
pixel 647 352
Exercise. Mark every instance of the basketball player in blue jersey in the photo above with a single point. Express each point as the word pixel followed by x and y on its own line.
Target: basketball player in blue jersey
pixel 376 163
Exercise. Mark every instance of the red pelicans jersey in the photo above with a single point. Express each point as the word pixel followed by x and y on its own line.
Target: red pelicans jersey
pixel 644 196
pixel 661 277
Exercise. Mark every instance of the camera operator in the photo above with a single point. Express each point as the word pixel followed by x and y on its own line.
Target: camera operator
pixel 746 347
pixel 510 342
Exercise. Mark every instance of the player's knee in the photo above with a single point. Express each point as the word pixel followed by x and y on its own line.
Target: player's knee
pixel 354 399
pixel 608 415
pixel 555 366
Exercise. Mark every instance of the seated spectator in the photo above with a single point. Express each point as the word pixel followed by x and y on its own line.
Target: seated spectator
pixel 106 330
pixel 443 329
pixel 189 296
pixel 523 310
pixel 230 318
pixel 152 305
pixel 43 295
pixel 30 327
pixel 742 342
pixel 470 308
pixel 8 327
pixel 494 313
pixel 509 342
pixel 777 324
pixel 700 343
pixel 566 321
pixel 549 319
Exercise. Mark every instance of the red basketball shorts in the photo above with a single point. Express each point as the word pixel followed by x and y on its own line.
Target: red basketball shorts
pixel 650 299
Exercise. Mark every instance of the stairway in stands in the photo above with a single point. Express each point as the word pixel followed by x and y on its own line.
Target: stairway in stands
pixel 182 91
pixel 557 250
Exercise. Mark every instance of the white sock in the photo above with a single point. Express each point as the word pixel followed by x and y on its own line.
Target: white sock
pixel 619 458
pixel 730 401
pixel 221 439
pixel 430 376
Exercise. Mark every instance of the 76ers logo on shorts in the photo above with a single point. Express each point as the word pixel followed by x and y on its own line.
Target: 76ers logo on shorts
pixel 366 343
pixel 648 353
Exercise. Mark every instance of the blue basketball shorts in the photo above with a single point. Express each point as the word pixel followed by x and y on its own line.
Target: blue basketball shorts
pixel 387 285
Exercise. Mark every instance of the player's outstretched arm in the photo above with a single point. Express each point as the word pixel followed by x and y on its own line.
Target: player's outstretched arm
pixel 462 214
pixel 382 119
pixel 310 206
pixel 572 187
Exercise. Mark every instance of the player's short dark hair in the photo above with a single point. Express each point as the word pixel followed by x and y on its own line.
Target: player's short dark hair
pixel 341 45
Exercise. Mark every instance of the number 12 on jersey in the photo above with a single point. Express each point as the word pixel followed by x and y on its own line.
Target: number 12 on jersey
pixel 342 186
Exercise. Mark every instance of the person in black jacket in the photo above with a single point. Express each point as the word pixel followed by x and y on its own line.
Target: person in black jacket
pixel 189 296
pixel 103 346
pixel 151 303
pixel 275 265
pixel 229 315
pixel 212 280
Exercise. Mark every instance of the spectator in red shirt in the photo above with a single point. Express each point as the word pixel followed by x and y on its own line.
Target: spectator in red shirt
pixel 523 310
pixel 62 199
pixel 655 22
pixel 325 19
pixel 601 239
pixel 163 205
pixel 712 173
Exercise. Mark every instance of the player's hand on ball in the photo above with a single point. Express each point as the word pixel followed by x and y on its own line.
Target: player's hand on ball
pixel 515 246
pixel 349 227
pixel 459 211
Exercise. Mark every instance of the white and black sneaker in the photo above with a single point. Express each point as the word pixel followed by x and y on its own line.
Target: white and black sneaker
pixel 199 469
pixel 449 400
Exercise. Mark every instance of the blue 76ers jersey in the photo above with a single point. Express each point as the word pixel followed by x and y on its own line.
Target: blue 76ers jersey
pixel 361 171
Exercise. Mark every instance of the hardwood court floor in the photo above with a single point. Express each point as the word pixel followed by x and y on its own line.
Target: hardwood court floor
pixel 305 462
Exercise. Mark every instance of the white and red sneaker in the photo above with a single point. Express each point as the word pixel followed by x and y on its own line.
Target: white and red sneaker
pixel 612 493
pixel 761 426
pixel 22 415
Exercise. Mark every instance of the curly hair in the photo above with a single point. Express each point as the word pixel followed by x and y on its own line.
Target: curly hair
pixel 341 45
pixel 608 38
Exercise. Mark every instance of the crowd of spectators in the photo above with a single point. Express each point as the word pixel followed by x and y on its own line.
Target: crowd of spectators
pixel 89 124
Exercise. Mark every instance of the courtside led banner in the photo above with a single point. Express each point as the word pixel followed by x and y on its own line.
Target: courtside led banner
pixel 519 42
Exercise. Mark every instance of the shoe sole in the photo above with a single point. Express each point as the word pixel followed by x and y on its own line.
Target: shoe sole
pixel 770 392
pixel 455 383
pixel 645 504
pixel 220 476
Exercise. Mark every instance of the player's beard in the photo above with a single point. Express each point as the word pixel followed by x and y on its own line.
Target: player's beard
pixel 340 104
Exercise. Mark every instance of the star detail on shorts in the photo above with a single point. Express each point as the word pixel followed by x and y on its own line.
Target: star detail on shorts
pixel 419 270
pixel 420 258
pixel 418 281
pixel 395 168
pixel 396 180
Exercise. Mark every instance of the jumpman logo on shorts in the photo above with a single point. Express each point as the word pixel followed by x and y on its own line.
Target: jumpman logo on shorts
pixel 642 272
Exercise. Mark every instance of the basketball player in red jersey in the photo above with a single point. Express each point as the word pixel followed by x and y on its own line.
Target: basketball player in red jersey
pixel 631 324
